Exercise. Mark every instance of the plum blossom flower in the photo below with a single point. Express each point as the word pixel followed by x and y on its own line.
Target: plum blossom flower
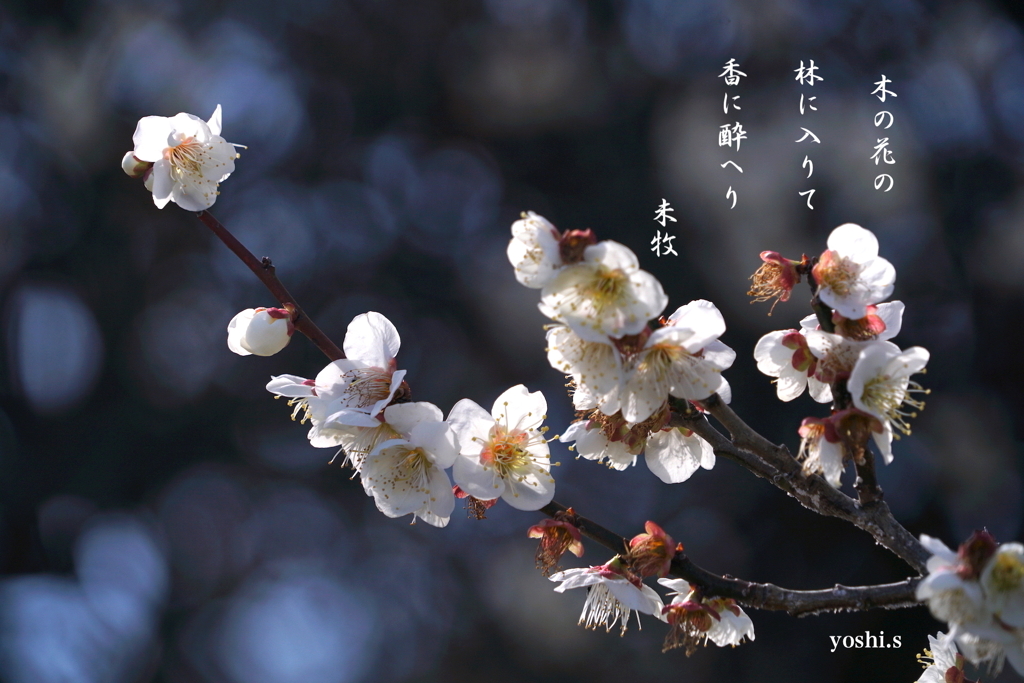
pixel 1002 579
pixel 651 553
pixel 880 385
pixel 595 366
pixel 344 401
pixel 534 250
pixel 604 295
pixel 785 355
pixel 407 475
pixel 951 587
pixel 592 444
pixel 850 273
pixel 838 353
pixel 612 596
pixel 940 657
pixel 821 449
pixel 684 359
pixel 260 331
pixel 694 620
pixel 504 454
pixel 557 536
pixel 190 158
pixel 775 278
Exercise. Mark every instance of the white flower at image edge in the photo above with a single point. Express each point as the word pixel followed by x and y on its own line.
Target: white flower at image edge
pixel 941 655
pixel 260 331
pixel 850 274
pixel 950 598
pixel 504 454
pixel 190 158
pixel 407 476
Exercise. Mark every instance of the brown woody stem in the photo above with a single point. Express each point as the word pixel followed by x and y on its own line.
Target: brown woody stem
pixel 265 271
pixel 765 596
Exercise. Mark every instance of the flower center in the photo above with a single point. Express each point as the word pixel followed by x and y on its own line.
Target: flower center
pixel 1008 572
pixel 187 156
pixel 368 385
pixel 838 274
pixel 887 396
pixel 605 289
pixel 506 451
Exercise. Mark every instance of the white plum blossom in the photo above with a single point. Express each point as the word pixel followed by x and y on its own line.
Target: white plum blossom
pixel 534 250
pixel 344 401
pixel 821 450
pixel 604 295
pixel 407 475
pixel 260 331
pixel 880 385
pixel 950 596
pixel 672 454
pixel 592 444
pixel 696 620
pixel 367 378
pixel 190 158
pixel 1003 582
pixel 850 274
pixel 504 453
pixel 684 359
pixel 940 657
pixel 785 355
pixel 595 366
pixel 611 596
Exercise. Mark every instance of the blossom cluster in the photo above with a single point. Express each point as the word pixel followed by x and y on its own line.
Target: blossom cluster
pixel 623 370
pixel 402 450
pixel 979 592
pixel 856 360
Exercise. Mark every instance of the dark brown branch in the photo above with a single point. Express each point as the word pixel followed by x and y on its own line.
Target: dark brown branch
pixel 765 596
pixel 775 464
pixel 265 271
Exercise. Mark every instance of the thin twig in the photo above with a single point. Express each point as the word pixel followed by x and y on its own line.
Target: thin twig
pixel 775 464
pixel 265 271
pixel 764 596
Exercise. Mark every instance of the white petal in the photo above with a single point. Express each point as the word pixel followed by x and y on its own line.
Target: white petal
pixel 162 183
pixel 437 439
pixel 236 331
pixel 702 320
pixel 404 416
pixel 291 386
pixel 854 242
pixel 518 408
pixel 476 479
pixel 215 121
pixel 891 314
pixel 673 457
pixel 372 339
pixel 472 424
pixel 150 137
pixel 531 490
pixel 771 355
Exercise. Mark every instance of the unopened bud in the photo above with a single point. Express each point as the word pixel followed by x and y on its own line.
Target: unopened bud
pixel 260 331
pixel 651 553
pixel 134 167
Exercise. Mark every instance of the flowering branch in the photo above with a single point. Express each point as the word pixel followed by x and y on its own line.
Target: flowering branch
pixel 774 463
pixel 765 596
pixel 265 271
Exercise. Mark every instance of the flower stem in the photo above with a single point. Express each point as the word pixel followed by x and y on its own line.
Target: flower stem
pixel 265 271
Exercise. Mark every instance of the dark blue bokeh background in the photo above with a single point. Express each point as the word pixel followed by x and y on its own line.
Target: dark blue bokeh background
pixel 161 519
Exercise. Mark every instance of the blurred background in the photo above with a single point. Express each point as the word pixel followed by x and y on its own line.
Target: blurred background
pixel 162 519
